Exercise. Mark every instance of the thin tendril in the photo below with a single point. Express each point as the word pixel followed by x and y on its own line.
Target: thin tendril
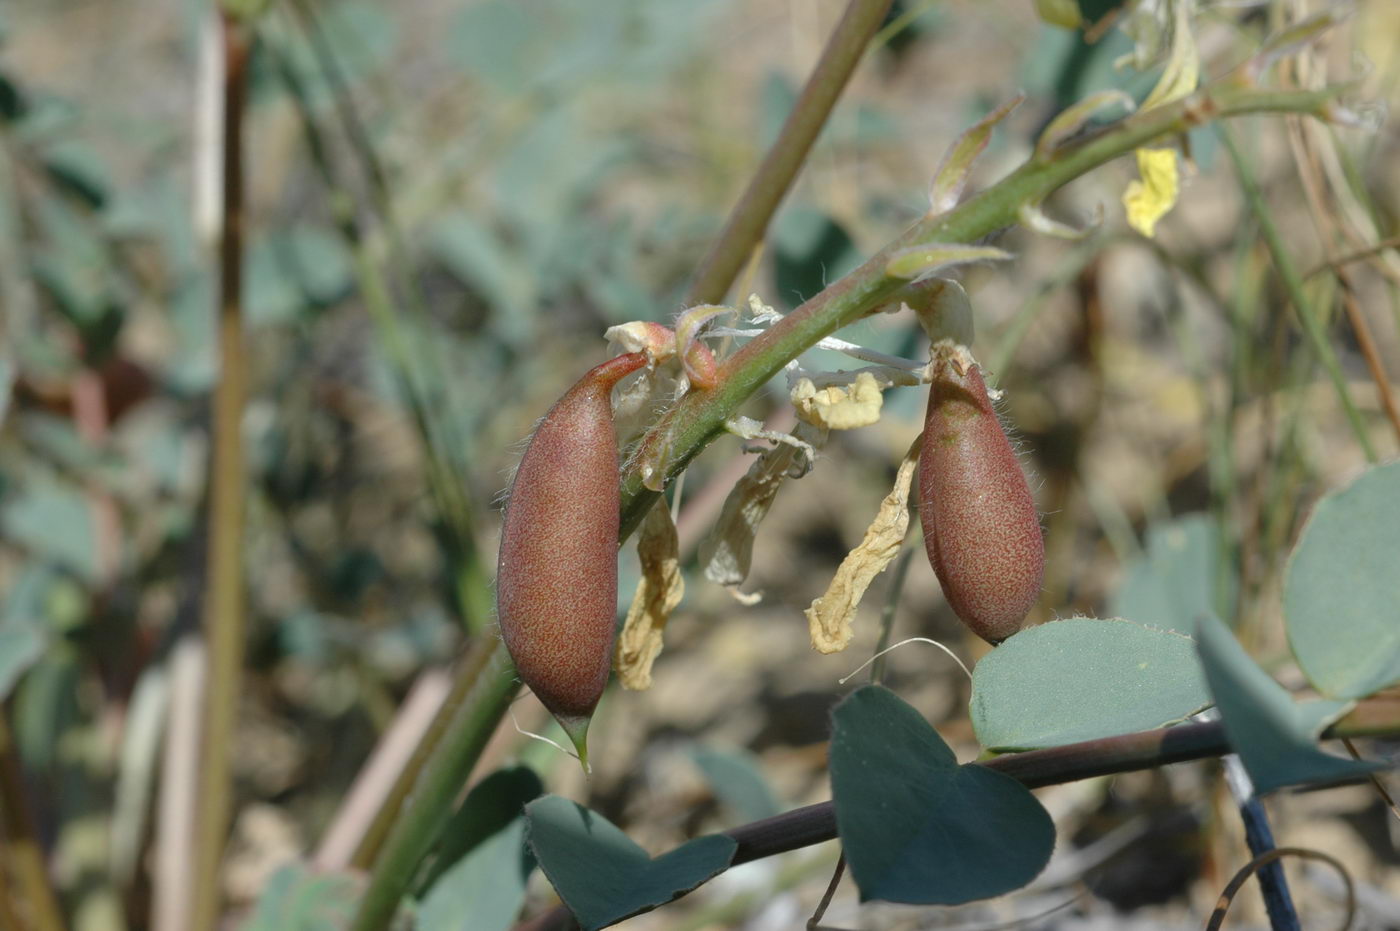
pixel 901 643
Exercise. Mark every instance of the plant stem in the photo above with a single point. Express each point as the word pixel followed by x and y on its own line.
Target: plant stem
pixel 21 834
pixel 474 713
pixel 224 596
pixel 1035 769
pixel 1293 284
pixel 464 680
pixel 1259 837
pixel 699 417
pixel 749 218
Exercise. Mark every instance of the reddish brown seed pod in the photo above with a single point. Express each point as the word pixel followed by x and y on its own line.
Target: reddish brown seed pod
pixel 980 525
pixel 556 578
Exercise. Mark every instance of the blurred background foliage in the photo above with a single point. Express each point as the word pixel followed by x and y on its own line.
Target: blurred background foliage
pixel 449 202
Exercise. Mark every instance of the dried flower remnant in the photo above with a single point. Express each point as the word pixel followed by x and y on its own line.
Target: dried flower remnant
pixel 847 407
pixel 727 553
pixel 659 591
pixel 830 617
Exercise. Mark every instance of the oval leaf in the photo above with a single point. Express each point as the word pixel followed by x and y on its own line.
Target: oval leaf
pixel 1339 595
pixel 1081 679
pixel 601 875
pixel 915 826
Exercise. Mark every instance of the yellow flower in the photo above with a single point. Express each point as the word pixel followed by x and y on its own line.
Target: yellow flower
pixel 1148 200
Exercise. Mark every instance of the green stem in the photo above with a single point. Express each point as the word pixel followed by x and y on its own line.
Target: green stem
pixel 749 218
pixel 472 719
pixel 464 681
pixel 1293 284
pixel 698 418
pixel 224 596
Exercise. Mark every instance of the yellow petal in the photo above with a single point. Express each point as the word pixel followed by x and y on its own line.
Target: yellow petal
pixel 1148 200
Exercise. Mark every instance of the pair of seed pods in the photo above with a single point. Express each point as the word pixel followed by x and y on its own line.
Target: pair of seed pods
pixel 556 578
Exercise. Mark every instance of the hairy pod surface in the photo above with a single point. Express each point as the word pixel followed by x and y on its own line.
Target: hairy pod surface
pixel 980 525
pixel 556 578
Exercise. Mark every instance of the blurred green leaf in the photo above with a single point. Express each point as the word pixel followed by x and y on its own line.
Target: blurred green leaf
pixel 45 707
pixel 498 41
pixel 290 269
pixel 190 368
pixel 776 98
pixel 21 645
pixel 295 899
pixel 77 167
pixel 915 826
pixel 491 806
pixel 12 102
pixel 57 440
pixel 360 35
pixel 7 385
pixel 1340 589
pixel 602 875
pixel 73 264
pixel 53 521
pixel 478 882
pixel 810 249
pixel 1083 678
pixel 738 781
pixel 1275 738
pixel 479 259
pixel 484 890
pixel 1176 581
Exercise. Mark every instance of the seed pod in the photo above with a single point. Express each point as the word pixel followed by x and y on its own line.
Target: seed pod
pixel 556 579
pixel 980 526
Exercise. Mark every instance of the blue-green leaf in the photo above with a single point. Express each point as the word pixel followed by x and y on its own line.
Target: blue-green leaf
pixel 492 806
pixel 601 875
pixel 737 780
pixel 1178 579
pixel 483 890
pixel 1341 594
pixel 295 899
pixel 54 521
pixel 1083 678
pixel 915 826
pixel 1275 738
pixel 289 269
pixel 21 645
